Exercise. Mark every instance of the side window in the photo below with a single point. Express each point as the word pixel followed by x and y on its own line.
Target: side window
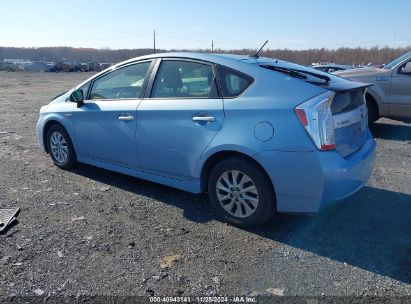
pixel 184 79
pixel 84 88
pixel 405 68
pixel 233 83
pixel 123 83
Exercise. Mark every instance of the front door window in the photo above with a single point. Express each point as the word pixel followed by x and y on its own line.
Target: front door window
pixel 124 83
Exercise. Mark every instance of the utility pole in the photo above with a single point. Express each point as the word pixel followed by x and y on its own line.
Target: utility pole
pixel 154 41
pixel 212 46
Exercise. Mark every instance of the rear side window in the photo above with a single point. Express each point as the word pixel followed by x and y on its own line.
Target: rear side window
pixel 233 83
pixel 176 79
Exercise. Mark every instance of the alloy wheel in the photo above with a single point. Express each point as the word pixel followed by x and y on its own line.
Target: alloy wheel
pixel 237 193
pixel 58 145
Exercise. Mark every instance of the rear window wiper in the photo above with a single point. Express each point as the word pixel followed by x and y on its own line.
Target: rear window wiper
pixel 324 77
pixel 290 72
pixel 298 73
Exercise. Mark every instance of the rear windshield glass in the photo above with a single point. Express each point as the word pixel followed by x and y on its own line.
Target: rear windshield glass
pixel 309 75
pixel 233 83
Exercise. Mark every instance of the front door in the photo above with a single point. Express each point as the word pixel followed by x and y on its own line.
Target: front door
pixel 105 126
pixel 400 95
pixel 179 119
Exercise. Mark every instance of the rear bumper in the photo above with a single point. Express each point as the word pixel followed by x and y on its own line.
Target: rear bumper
pixel 307 181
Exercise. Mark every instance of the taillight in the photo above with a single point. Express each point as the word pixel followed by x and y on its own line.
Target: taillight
pixel 316 117
pixel 302 117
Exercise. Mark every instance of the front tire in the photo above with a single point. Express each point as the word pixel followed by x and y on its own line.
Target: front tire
pixel 60 147
pixel 241 192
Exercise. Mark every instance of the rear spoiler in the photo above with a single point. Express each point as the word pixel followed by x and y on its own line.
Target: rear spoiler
pixel 344 86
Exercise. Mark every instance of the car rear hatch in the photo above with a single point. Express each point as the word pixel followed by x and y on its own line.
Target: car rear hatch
pixel 348 107
pixel 350 118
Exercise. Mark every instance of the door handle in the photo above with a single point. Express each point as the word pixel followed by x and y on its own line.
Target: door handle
pixel 203 119
pixel 126 117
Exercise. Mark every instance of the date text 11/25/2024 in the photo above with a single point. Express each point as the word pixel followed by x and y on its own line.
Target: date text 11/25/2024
pixel 212 299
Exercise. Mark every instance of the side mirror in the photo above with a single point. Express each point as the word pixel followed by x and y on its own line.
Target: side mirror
pixel 407 68
pixel 77 96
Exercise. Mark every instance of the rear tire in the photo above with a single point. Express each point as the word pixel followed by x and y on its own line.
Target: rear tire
pixel 241 192
pixel 60 147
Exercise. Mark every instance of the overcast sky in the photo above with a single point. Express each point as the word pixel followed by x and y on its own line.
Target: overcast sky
pixel 232 24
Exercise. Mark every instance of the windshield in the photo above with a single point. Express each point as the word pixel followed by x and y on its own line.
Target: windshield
pixel 397 61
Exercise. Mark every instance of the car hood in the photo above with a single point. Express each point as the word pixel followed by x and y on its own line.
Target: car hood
pixel 357 73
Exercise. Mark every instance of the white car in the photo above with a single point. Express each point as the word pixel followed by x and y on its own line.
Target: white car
pixel 332 67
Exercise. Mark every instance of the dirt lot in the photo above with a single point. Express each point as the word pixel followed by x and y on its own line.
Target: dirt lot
pixel 361 246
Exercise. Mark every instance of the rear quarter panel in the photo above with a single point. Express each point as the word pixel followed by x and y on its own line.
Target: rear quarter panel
pixel 272 99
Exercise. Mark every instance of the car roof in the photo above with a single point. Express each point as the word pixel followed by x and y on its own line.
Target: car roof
pixel 211 57
pixel 242 63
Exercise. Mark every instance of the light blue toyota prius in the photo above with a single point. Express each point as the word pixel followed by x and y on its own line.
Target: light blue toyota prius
pixel 259 135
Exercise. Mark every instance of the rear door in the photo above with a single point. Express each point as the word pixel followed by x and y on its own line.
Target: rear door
pixel 400 94
pixel 105 126
pixel 179 118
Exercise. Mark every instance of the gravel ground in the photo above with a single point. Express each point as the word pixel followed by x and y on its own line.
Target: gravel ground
pixel 93 232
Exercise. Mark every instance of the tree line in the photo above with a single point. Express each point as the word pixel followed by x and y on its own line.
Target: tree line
pixel 344 55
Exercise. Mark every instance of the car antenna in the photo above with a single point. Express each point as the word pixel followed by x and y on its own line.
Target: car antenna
pixel 258 52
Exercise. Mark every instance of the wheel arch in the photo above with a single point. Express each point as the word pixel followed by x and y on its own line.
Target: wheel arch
pixel 217 157
pixel 374 98
pixel 46 128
